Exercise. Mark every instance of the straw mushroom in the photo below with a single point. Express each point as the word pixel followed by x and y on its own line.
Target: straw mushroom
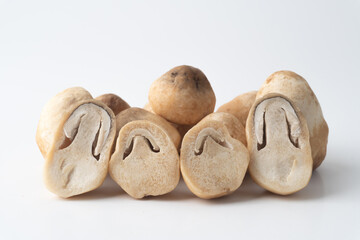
pixel 213 158
pixel 240 106
pixel 296 88
pixel 75 135
pixel 114 102
pixel 278 143
pixel 146 160
pixel 183 95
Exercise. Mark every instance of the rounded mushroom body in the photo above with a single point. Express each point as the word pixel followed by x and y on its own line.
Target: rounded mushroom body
pixel 240 106
pixel 75 135
pixel 183 95
pixel 114 102
pixel 296 88
pixel 279 147
pixel 145 162
pixel 213 158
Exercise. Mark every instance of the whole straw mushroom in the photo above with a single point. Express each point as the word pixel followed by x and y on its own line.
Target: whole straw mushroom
pixel 296 88
pixel 278 143
pixel 75 135
pixel 114 102
pixel 240 106
pixel 146 160
pixel 213 158
pixel 183 95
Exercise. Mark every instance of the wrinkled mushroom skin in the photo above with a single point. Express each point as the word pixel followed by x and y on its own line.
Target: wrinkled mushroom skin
pixel 114 102
pixel 213 159
pixel 278 143
pixel 133 114
pixel 75 135
pixel 240 106
pixel 145 162
pixel 294 87
pixel 183 95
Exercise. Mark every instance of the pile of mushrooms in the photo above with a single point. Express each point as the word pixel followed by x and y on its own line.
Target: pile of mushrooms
pixel 278 134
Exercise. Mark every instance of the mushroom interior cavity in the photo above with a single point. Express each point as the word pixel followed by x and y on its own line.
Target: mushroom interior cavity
pixel 271 117
pixel 209 133
pixel 87 130
pixel 140 135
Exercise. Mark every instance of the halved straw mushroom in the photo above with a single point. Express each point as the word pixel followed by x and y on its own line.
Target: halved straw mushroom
pixel 240 106
pixel 146 160
pixel 114 102
pixel 183 95
pixel 75 134
pixel 294 87
pixel 213 158
pixel 278 142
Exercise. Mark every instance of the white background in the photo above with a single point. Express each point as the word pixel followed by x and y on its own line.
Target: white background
pixel 121 47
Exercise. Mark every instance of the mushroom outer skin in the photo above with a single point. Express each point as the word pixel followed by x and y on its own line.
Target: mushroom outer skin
pixel 114 102
pixel 182 129
pixel 279 146
pixel 296 88
pixel 145 162
pixel 213 158
pixel 133 114
pixel 62 173
pixel 239 106
pixel 183 95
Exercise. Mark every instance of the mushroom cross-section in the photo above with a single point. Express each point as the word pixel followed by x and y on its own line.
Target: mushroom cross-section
pixel 297 89
pixel 145 162
pixel 213 158
pixel 278 142
pixel 75 138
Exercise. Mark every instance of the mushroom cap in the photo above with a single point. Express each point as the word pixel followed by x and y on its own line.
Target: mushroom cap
pixel 114 102
pixel 75 134
pixel 183 95
pixel 296 88
pixel 145 162
pixel 239 106
pixel 213 160
pixel 182 129
pixel 278 143
pixel 133 114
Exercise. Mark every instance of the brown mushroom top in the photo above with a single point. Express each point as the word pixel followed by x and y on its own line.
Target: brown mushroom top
pixel 183 95
pixel 114 102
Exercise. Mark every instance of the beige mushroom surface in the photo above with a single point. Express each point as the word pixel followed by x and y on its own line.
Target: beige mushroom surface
pixel 182 95
pixel 146 160
pixel 296 88
pixel 240 106
pixel 213 158
pixel 75 134
pixel 279 146
pixel 134 113
pixel 114 102
pixel 182 129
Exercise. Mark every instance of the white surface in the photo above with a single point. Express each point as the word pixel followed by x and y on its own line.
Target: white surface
pixel 112 46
